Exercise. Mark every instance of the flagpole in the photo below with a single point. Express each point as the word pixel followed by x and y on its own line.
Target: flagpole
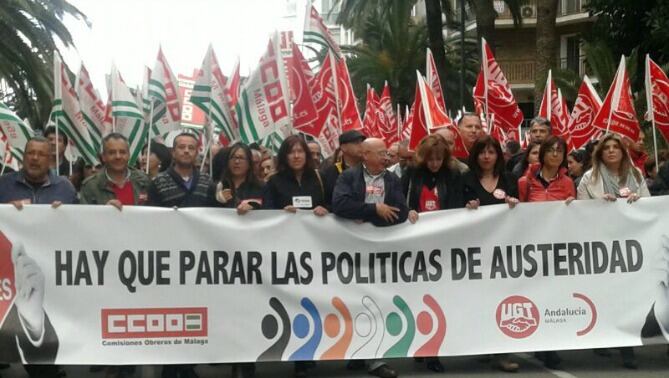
pixel 56 82
pixel 651 111
pixel 336 88
pixel 618 83
pixel 484 67
pixel 399 124
pixel 4 158
pixel 148 138
pixel 210 137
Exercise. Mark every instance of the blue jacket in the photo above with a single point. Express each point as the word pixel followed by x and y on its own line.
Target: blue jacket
pixel 13 187
pixel 348 199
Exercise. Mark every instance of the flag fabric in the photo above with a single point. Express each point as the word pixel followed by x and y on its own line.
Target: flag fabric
pixel 67 114
pixel 300 75
pixel 371 119
pixel 657 96
pixel 407 122
pixel 146 98
pixel 617 114
pixel 552 109
pixel 128 116
pixel 7 157
pixel 92 107
pixel 435 116
pixel 326 127
pixel 315 31
pixel 348 104
pixel 459 148
pixel 15 132
pixel 493 95
pixel 419 125
pixel 263 102
pixel 432 76
pixel 165 97
pixel 587 105
pixel 209 94
pixel 234 82
pixel 387 122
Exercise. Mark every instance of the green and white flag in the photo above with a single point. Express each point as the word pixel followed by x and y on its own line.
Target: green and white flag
pixel 128 116
pixel 164 94
pixel 209 94
pixel 263 108
pixel 92 107
pixel 15 131
pixel 68 116
pixel 315 31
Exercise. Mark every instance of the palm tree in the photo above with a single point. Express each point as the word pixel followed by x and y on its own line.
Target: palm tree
pixel 393 47
pixel 546 42
pixel 29 30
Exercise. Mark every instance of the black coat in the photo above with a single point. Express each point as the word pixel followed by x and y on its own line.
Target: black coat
pixel 348 199
pixel 474 190
pixel 283 186
pixel 449 186
pixel 246 191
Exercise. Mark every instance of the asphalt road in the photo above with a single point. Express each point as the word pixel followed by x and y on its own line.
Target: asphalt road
pixel 653 362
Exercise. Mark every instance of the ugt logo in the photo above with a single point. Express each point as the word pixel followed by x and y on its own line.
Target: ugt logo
pixel 517 317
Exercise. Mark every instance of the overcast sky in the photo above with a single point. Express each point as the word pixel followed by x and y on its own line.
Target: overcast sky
pixel 129 32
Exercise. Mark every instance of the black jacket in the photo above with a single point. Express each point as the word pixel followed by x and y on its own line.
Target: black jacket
pixel 449 186
pixel 169 190
pixel 283 186
pixel 246 191
pixel 13 339
pixel 474 190
pixel 330 174
pixel 348 199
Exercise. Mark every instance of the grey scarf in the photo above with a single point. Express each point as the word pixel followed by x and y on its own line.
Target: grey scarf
pixel 612 182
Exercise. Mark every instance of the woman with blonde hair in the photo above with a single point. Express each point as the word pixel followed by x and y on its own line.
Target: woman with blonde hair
pixel 613 175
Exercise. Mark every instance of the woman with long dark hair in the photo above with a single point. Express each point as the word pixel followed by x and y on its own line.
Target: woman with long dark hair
pixel 296 183
pixel 487 182
pixel 235 185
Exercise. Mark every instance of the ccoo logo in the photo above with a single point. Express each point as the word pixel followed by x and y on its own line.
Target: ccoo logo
pixel 517 317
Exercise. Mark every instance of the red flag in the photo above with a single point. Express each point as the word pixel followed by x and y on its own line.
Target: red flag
pixel 406 124
pixel 493 94
pixel 418 123
pixel 428 115
pixel 459 148
pixel 387 122
pixel 233 85
pixel 370 122
pixel 553 109
pixel 348 104
pixel 587 105
pixel 323 97
pixel 617 114
pixel 657 88
pixel 433 79
pixel 304 110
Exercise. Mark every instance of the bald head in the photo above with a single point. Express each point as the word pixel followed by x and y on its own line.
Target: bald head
pixel 375 155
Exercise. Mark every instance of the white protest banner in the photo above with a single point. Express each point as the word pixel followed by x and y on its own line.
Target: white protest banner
pixel 208 285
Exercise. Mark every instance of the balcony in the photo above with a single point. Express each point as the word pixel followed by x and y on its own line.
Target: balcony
pixel 528 10
pixel 518 71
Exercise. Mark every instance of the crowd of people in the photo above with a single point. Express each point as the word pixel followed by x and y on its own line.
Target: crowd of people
pixel 365 181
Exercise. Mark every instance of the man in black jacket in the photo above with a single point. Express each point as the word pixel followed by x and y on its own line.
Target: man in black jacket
pixel 370 193
pixel 182 185
pixel 350 144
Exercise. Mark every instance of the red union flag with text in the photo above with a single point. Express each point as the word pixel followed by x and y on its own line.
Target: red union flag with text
pixel 428 116
pixel 387 122
pixel 657 88
pixel 617 114
pixel 299 75
pixel 493 94
pixel 263 102
pixel 370 122
pixel 585 108
pixel 348 104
